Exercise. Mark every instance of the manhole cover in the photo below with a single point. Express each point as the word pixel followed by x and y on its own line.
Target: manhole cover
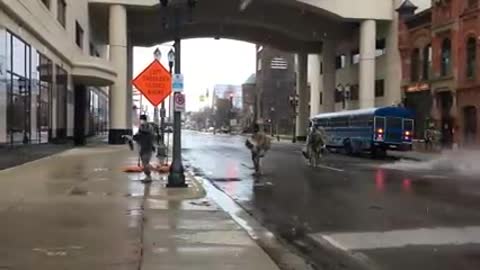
pixel 76 191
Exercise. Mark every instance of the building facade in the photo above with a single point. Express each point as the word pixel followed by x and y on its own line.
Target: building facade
pixel 336 75
pixel 90 44
pixel 441 78
pixel 52 72
pixel 249 100
pixel 275 84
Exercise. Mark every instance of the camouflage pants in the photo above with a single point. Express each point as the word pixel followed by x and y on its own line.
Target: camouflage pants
pixel 145 158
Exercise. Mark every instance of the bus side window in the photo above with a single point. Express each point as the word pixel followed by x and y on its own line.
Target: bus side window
pixel 370 122
pixel 380 123
pixel 321 123
pixel 333 122
pixel 356 121
pixel 341 122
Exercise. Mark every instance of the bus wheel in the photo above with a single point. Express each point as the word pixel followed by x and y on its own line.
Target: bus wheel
pixel 347 146
pixel 378 152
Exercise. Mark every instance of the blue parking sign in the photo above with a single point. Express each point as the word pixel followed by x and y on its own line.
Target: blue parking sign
pixel 177 83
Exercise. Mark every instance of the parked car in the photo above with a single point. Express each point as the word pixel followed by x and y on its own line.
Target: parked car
pixel 225 130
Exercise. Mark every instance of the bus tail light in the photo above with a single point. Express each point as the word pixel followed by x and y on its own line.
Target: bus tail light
pixel 408 135
pixel 379 135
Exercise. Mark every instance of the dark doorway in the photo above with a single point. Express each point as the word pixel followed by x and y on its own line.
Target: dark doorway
pixel 445 103
pixel 420 103
pixel 470 124
pixel 80 111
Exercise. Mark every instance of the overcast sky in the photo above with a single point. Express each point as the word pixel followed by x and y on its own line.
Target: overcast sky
pixel 206 62
pixel 422 4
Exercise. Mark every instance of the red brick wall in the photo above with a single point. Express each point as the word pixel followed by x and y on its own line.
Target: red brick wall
pixel 456 21
pixel 468 98
pixel 468 27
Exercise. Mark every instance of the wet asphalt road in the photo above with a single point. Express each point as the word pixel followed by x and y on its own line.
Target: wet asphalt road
pixel 399 219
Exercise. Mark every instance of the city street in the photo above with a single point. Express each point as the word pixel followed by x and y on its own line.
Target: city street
pixel 380 213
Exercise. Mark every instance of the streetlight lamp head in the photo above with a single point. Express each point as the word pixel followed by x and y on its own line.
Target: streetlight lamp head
pixel 157 54
pixel 171 56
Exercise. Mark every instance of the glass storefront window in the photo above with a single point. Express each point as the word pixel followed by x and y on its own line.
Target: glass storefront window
pixel 29 84
pixel 19 57
pixel 97 113
pixel 19 90
pixel 45 70
pixel 62 96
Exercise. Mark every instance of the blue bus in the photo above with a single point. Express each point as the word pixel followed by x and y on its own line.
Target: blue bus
pixel 375 130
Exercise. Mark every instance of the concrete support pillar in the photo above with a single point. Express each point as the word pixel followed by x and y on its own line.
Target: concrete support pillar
pixel 328 76
pixel 118 91
pixel 394 64
pixel 368 34
pixel 129 85
pixel 80 114
pixel 314 76
pixel 302 112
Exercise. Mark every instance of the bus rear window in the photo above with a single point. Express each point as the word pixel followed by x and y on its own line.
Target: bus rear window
pixel 394 122
pixel 408 124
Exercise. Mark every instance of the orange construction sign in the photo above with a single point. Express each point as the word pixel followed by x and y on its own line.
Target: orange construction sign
pixel 155 83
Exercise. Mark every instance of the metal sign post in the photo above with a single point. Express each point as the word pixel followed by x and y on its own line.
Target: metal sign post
pixel 176 178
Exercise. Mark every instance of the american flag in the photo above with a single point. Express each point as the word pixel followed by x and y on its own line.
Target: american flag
pixel 278 63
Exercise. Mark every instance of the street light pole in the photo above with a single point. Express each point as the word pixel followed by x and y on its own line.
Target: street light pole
pixel 176 178
pixel 230 114
pixel 161 151
pixel 294 102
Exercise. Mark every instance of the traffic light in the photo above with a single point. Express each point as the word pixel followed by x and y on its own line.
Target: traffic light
pixel 164 3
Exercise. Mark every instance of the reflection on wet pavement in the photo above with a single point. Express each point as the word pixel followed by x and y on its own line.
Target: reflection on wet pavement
pixel 66 210
pixel 347 194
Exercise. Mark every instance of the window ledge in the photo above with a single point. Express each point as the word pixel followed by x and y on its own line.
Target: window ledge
pixel 94 71
pixel 443 78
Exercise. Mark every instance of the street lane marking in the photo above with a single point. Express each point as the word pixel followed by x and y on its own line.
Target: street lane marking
pixel 329 168
pixel 432 176
pixel 401 238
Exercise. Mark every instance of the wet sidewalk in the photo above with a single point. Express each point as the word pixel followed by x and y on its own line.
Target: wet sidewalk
pixel 78 210
pixel 16 155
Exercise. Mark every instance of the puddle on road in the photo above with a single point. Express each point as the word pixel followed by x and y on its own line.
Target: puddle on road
pixel 134 212
pixel 56 252
pixel 134 195
pixel 199 250
pixel 77 191
pixel 226 179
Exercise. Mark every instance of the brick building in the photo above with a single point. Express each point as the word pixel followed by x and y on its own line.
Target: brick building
pixel 440 68
pixel 249 97
pixel 275 83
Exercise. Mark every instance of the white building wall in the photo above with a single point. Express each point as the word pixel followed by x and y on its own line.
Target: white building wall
pixel 350 74
pixel 3 83
pixel 38 26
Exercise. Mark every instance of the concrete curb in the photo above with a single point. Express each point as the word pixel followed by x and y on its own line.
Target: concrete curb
pixel 335 258
pixel 273 246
